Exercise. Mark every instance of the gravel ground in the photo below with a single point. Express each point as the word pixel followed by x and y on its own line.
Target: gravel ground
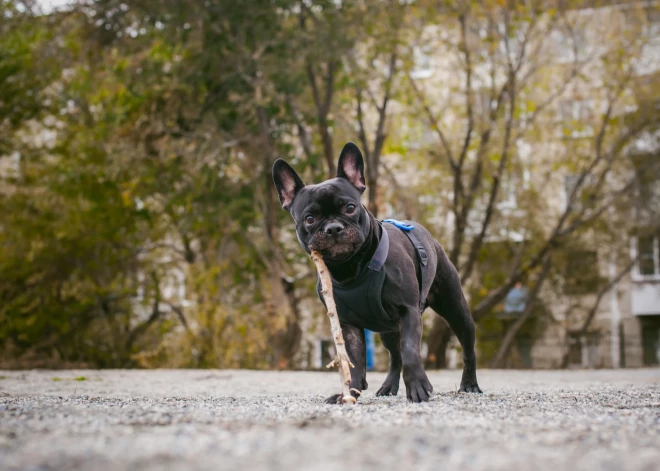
pixel 216 420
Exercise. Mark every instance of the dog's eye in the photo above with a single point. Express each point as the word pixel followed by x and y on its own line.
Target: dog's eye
pixel 310 219
pixel 350 208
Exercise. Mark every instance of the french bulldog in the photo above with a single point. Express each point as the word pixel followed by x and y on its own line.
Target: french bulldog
pixel 386 280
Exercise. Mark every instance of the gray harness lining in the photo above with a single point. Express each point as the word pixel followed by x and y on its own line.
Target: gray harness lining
pixel 422 256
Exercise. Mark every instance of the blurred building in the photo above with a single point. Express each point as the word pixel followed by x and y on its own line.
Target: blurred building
pixel 625 330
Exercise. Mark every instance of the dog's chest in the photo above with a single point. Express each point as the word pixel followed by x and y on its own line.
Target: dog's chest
pixel 359 303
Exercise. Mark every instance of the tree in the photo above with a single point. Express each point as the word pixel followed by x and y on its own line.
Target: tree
pixel 140 221
pixel 512 68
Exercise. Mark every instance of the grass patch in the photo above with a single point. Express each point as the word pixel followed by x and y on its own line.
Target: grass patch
pixel 4 376
pixel 79 378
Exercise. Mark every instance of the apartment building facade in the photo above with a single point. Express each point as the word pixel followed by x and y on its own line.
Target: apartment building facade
pixel 606 311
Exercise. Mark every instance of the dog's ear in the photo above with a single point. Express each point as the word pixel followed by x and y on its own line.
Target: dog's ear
pixel 287 182
pixel 351 166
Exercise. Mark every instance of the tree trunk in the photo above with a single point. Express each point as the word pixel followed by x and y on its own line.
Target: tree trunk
pixel 281 304
pixel 283 317
pixel 373 193
pixel 510 336
pixel 327 146
pixel 292 333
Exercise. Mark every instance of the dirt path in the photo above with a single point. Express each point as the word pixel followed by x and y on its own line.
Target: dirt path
pixel 216 420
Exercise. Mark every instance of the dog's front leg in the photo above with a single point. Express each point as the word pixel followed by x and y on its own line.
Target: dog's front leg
pixel 418 386
pixel 356 347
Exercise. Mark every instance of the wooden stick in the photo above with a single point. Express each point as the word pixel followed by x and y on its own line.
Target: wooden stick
pixel 341 359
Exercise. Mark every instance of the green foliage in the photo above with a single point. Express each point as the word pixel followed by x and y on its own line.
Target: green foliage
pixel 139 224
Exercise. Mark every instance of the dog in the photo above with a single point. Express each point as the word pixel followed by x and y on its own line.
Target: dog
pixel 384 275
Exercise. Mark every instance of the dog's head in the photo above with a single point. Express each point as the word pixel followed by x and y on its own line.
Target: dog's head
pixel 329 216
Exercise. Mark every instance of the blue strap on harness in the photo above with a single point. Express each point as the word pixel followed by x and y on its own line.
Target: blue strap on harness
pixel 400 224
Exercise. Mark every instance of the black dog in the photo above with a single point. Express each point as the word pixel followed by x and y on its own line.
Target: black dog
pixel 384 275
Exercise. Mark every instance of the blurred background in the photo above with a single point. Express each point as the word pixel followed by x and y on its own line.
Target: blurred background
pixel 139 225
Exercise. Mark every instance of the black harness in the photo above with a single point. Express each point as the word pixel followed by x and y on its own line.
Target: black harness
pixel 359 302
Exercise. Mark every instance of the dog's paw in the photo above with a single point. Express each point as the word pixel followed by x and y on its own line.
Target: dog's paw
pixel 338 398
pixel 418 388
pixel 470 387
pixel 390 387
pixel 334 399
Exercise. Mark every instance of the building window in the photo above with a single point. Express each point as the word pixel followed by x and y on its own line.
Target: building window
pixel 575 117
pixel 646 164
pixel 574 350
pixel 423 62
pixel 651 340
pixel 584 350
pixel 646 248
pixel 647 252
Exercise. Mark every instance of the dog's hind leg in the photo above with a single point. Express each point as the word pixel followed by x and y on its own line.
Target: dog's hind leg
pixel 392 342
pixel 446 298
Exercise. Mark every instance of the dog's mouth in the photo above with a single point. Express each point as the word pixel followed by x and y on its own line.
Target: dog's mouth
pixel 338 247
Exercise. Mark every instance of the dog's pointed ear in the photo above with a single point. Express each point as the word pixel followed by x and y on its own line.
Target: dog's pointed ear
pixel 287 182
pixel 351 166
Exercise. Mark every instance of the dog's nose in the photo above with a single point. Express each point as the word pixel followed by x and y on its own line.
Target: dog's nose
pixel 333 228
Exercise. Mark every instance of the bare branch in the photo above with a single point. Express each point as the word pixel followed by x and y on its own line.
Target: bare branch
pixel 497 179
pixel 322 110
pixel 581 221
pixel 372 99
pixel 362 134
pixel 302 130
pixel 507 341
pixel 434 123
pixel 553 240
pixel 382 110
pixel 469 96
pixel 179 312
pixel 603 291
pixel 329 85
pixel 155 314
pixel 399 190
